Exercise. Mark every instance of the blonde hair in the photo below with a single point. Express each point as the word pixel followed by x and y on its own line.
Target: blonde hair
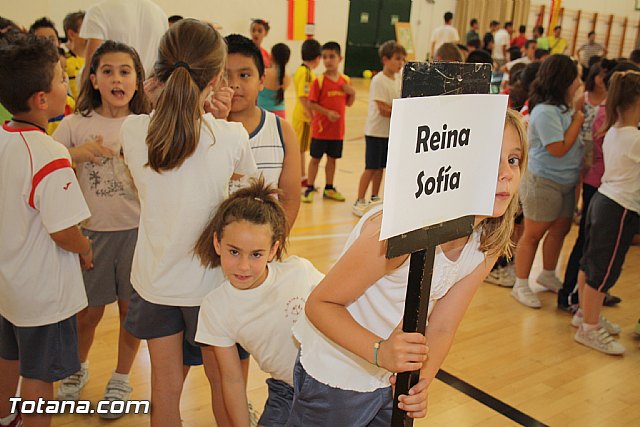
pixel 257 204
pixel 624 89
pixel 495 237
pixel 190 55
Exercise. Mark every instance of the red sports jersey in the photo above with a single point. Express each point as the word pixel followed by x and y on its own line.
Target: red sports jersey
pixel 328 94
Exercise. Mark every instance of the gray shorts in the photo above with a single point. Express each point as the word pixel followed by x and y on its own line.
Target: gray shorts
pixel 110 278
pixel 317 404
pixel 278 406
pixel 146 320
pixel 544 200
pixel 47 353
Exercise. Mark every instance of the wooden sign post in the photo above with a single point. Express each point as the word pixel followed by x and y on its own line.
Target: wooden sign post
pixel 429 79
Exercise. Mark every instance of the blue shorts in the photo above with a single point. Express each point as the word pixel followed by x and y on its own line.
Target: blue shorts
pixel 192 355
pixel 317 404
pixel 278 405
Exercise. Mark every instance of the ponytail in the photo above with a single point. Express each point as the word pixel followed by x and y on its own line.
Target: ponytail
pixel 280 54
pixel 191 54
pixel 624 90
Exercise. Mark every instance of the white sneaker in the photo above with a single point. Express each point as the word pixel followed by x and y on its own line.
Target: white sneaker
pixel 524 295
pixel 375 200
pixel 500 276
pixel 600 340
pixel 550 282
pixel 71 386
pixel 116 391
pixel 254 417
pixel 360 207
pixel 611 328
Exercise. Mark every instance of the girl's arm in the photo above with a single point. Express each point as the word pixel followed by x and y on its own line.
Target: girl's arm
pixel 560 148
pixel 360 266
pixel 384 108
pixel 233 389
pixel 289 181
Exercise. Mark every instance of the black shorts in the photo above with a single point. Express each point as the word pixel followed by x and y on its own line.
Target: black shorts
pixel 609 231
pixel 376 148
pixel 47 353
pixel 331 147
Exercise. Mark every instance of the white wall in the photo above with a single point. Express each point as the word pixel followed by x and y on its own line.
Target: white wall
pixel 425 17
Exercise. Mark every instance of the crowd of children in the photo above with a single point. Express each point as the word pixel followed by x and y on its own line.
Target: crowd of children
pixel 176 193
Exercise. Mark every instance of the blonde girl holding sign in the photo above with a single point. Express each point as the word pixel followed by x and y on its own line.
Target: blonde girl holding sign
pixel 351 337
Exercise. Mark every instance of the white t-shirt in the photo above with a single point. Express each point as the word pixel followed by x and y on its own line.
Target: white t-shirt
pixel 138 23
pixel 107 186
pixel 40 283
pixel 444 34
pixel 260 319
pixel 379 309
pixel 176 205
pixel 267 147
pixel 386 90
pixel 621 179
pixel 501 39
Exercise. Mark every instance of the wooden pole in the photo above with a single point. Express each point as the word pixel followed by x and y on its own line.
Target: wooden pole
pixel 622 37
pixel 608 35
pixel 540 18
pixel 635 44
pixel 575 33
pixel 594 22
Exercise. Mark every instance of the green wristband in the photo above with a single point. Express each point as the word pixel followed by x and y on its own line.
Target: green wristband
pixel 376 347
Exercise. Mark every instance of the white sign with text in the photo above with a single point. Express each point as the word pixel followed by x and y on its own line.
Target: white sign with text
pixel 443 160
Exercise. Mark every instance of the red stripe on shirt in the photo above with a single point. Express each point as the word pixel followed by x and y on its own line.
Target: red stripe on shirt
pixel 615 252
pixel 50 167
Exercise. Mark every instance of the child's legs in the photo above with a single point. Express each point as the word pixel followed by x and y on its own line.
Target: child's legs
pixel 166 379
pixel 365 179
pixel 334 152
pixel 127 344
pixel 212 370
pixel 9 376
pixel 33 389
pixel 528 245
pixel 376 182
pixel 317 150
pixel 376 159
pixel 303 132
pixel 554 239
pixel 88 320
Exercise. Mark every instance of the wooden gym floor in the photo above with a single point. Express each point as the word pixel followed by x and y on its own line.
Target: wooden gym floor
pixel 523 357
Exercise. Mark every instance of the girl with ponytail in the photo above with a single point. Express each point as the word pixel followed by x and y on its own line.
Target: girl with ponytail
pixel 181 160
pixel 276 81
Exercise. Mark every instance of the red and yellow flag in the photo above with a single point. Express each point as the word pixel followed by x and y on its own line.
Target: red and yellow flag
pixel 554 14
pixel 301 18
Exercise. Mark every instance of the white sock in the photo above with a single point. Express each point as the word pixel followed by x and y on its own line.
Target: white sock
pixel 8 419
pixel 522 283
pixel 578 313
pixel 120 377
pixel 548 273
pixel 586 327
pixel 84 365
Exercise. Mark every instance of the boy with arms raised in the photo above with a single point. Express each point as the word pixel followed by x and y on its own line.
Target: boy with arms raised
pixel 40 280
pixel 330 94
pixel 385 86
pixel 272 140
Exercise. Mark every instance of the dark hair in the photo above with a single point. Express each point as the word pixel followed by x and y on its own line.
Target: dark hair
pixel 522 29
pixel 27 66
pixel 515 73
pixel 257 204
pixel 594 60
pixel 280 54
pixel 557 73
pixel 448 16
pixel 174 18
pixel 494 23
pixel 473 22
pixel 540 53
pixel 529 43
pixel 334 46
pixel 539 29
pixel 557 27
pixel 634 56
pixel 613 66
pixel 462 47
pixel 480 57
pixel 73 21
pixel 508 24
pixel 475 43
pixel 262 22
pixel 590 82
pixel 7 25
pixel 190 55
pixel 487 40
pixel 591 33
pixel 449 52
pixel 89 97
pixel 520 90
pixel 43 22
pixel 310 49
pixel 390 48
pixel 624 90
pixel 242 45
pixel 514 53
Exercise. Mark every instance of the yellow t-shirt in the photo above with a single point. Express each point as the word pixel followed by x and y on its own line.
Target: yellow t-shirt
pixel 74 65
pixel 557 46
pixel 55 122
pixel 302 80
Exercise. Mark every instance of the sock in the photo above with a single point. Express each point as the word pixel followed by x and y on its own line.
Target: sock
pixel 360 201
pixel 120 377
pixel 586 327
pixel 84 365
pixel 579 313
pixel 521 283
pixel 548 273
pixel 8 419
pixel 329 187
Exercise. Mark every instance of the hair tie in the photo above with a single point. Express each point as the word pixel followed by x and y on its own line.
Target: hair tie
pixel 183 64
pixel 258 199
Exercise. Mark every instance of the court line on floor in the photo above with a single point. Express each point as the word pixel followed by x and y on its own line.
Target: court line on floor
pixel 488 400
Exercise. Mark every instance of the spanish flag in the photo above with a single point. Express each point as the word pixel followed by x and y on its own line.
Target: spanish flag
pixel 554 13
pixel 301 18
